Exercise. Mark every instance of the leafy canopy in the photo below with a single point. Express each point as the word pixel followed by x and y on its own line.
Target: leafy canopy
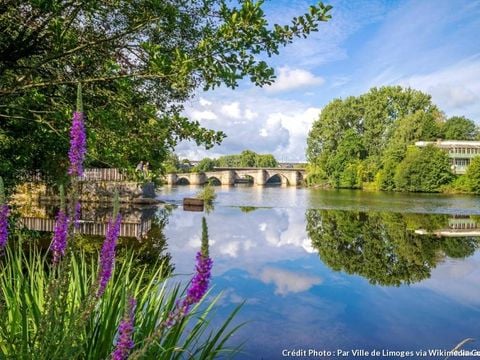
pixel 138 61
pixel 355 138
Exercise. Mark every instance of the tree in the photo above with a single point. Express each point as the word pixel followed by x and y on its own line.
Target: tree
pixel 384 120
pixel 424 170
pixel 265 161
pixel 172 163
pixel 473 175
pixel 205 164
pixel 248 158
pixel 460 128
pixel 407 130
pixel 137 61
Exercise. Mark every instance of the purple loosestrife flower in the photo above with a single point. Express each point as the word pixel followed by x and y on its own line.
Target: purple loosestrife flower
pixel 59 242
pixel 107 256
pixel 78 142
pixel 200 281
pixel 3 226
pixel 125 333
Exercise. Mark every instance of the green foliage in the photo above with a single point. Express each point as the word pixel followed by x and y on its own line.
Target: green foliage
pixel 472 176
pixel 137 62
pixel 363 139
pixel 51 313
pixel 2 191
pixel 247 158
pixel 205 164
pixel 207 194
pixel 460 128
pixel 380 246
pixel 265 161
pixel 423 170
pixel 204 237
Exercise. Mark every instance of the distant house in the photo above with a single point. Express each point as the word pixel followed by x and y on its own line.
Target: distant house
pixel 459 152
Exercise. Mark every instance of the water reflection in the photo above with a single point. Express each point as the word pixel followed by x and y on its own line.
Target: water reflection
pixel 269 257
pixel 142 229
pixel 390 248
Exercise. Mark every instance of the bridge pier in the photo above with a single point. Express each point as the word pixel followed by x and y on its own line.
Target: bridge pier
pixel 260 178
pixel 197 179
pixel 293 178
pixel 171 179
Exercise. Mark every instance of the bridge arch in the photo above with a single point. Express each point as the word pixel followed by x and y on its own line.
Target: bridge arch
pixel 277 178
pixel 244 179
pixel 182 181
pixel 214 181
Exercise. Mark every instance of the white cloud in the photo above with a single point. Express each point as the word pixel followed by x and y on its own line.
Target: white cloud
pixel 289 79
pixel 452 88
pixel 276 126
pixel 231 110
pixel 288 281
pixel 203 102
pixel 457 279
pixel 250 115
pixel 263 132
pixel 203 115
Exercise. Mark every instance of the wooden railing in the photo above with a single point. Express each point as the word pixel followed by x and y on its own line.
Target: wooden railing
pixel 103 174
pixel 127 229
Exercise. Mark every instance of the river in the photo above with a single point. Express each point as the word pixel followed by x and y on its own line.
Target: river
pixel 335 271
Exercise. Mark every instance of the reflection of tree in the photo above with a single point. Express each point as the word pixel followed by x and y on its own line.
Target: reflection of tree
pixel 381 246
pixel 247 209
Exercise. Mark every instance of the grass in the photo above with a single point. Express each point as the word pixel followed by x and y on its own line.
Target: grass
pixel 49 312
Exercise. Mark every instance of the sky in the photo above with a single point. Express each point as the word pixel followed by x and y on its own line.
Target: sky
pixel 429 45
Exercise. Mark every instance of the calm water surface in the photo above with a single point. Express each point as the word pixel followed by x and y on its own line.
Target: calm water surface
pixel 330 270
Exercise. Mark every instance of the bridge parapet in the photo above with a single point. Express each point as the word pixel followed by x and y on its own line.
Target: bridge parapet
pixel 229 176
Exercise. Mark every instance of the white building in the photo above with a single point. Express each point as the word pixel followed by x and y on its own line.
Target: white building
pixel 459 152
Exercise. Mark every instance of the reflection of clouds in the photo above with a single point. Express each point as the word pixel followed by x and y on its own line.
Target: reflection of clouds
pixel 252 239
pixel 457 279
pixel 288 281
pixel 196 241
pixel 230 248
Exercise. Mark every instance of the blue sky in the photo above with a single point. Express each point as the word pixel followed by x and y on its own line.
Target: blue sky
pixel 430 45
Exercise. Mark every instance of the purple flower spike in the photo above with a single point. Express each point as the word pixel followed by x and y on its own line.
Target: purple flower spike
pixel 78 143
pixel 125 333
pixel 107 256
pixel 3 226
pixel 59 242
pixel 200 281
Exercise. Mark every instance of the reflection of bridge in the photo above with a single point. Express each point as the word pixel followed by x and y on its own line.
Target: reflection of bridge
pixel 230 176
pixel 457 226
pixel 136 221
pixel 127 229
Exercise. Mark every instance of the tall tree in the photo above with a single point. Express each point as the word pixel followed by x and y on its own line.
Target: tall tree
pixel 376 118
pixel 460 128
pixel 138 61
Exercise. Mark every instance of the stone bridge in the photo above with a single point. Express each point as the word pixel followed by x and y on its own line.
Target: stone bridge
pixel 231 176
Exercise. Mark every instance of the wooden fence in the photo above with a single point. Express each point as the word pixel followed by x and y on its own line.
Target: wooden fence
pixel 132 229
pixel 103 174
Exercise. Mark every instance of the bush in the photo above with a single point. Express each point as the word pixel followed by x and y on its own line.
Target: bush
pixel 207 194
pixel 473 176
pixel 423 170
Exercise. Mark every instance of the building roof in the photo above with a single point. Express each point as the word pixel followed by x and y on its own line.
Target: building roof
pixel 449 143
